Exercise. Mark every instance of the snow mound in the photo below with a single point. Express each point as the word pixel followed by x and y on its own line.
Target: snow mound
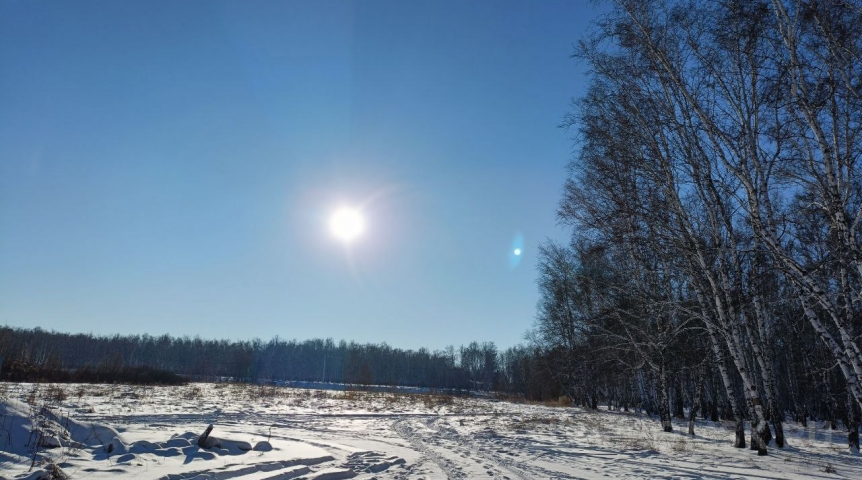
pixel 60 444
pixel 262 447
pixel 17 427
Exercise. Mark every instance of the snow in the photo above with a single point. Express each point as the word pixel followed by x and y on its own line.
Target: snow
pixel 267 432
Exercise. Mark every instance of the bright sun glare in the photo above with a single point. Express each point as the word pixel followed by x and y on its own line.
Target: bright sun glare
pixel 346 224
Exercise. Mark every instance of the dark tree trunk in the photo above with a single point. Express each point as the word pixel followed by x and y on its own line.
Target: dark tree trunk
pixel 777 419
pixel 664 402
pixel 802 417
pixel 691 417
pixel 698 391
pixel 853 417
pixel 679 407
pixel 760 434
pixel 739 441
pixel 727 413
pixel 758 439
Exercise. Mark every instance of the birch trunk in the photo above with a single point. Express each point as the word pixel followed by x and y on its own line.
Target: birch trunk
pixel 695 404
pixel 664 401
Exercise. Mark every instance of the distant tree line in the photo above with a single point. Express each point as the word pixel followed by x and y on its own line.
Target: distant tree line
pixel 52 372
pixel 715 263
pixel 474 367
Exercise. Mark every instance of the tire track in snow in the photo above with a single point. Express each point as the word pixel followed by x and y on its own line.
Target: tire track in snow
pixel 408 433
pixel 503 463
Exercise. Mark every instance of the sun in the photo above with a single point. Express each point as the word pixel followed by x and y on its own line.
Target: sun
pixel 346 224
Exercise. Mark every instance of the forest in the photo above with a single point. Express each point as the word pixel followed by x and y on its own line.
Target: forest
pixel 714 205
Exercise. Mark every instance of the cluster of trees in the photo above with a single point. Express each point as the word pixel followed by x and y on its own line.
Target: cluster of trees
pixel 473 367
pixel 715 260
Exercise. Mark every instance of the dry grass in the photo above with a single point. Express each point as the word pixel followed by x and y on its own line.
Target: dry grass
pixel 260 392
pixel 429 400
pixel 32 396
pixel 432 400
pixel 192 392
pixel 531 422
pixel 642 437
pixel 561 401
pixel 80 392
pixel 55 394
pixel 100 391
pixel 681 445
pixel 592 422
pixel 352 395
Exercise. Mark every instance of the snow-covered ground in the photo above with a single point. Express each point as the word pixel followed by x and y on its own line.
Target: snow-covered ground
pixel 318 434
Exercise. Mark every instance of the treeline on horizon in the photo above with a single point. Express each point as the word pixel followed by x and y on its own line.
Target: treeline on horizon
pixel 52 372
pixel 474 367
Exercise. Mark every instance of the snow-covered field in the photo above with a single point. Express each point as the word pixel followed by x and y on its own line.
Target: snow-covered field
pixel 318 434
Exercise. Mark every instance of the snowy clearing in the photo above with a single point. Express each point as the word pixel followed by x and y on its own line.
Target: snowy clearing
pixel 263 432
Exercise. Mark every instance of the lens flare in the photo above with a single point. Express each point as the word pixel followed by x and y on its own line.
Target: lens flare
pixel 516 252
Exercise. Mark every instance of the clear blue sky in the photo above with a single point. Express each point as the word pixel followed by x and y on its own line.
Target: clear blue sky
pixel 170 167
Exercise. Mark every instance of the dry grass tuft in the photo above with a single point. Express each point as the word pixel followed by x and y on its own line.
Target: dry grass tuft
pixel 533 421
pixel 432 400
pixel 643 438
pixel 562 401
pixel 192 392
pixel 352 395
pixel 681 445
pixel 56 394
pixel 32 396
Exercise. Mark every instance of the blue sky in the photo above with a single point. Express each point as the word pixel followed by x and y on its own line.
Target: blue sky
pixel 170 167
